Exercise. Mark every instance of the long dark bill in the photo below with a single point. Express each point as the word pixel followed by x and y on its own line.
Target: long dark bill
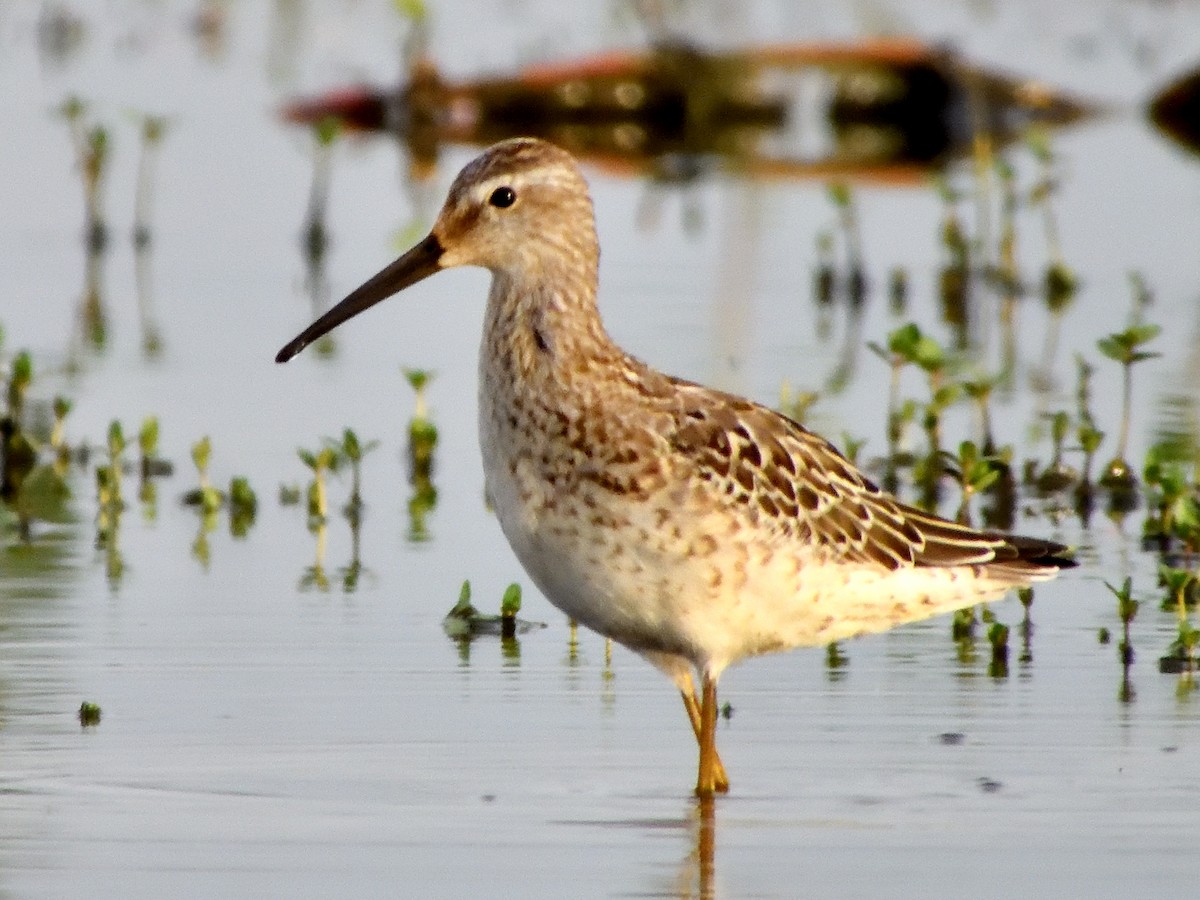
pixel 418 263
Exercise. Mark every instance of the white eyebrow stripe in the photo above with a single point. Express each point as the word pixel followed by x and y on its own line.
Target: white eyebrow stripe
pixel 517 181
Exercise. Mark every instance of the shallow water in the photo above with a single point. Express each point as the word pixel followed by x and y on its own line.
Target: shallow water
pixel 264 736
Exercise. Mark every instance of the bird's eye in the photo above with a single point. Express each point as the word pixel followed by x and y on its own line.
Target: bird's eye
pixel 503 197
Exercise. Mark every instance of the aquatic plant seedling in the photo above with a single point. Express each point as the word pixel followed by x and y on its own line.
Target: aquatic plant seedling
pixel 907 345
pixel 510 605
pixel 980 391
pixel 289 494
pixel 457 622
pixel 1127 608
pixel 418 380
pixel 1090 440
pixel 1173 509
pixel 152 465
pixel 352 450
pixel 1181 654
pixel 998 639
pixel 1124 347
pixel 975 472
pixel 89 714
pixel 422 433
pixel 319 463
pixel 20 376
pixel 465 622
pixel 108 477
pixel 62 408
pixel 1183 588
pixel 834 657
pixel 962 626
pixel 18 460
pixel 207 497
pixel 148 439
pixel 1057 476
pixel 243 506
pixel 942 399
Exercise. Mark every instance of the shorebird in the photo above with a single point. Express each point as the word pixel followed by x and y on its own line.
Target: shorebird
pixel 694 527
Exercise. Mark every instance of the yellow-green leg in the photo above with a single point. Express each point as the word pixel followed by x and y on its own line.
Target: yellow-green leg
pixel 706 780
pixel 692 704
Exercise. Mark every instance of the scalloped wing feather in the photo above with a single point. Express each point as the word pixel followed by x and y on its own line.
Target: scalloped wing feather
pixel 761 459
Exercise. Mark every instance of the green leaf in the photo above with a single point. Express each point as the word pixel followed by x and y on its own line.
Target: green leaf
pixel 510 605
pixel 1140 334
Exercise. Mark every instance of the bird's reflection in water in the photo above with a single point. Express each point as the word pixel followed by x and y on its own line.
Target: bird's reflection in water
pixel 696 877
pixel 706 843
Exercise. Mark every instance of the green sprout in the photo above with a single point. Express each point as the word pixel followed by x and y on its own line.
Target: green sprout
pixel 1058 475
pixel 835 659
pixel 352 450
pixel 148 443
pixel 62 408
pixel 418 380
pixel 111 487
pixel 207 497
pixel 319 463
pixel 422 433
pixel 1127 609
pixel 975 472
pixel 1124 347
pixel 243 506
pixel 980 391
pixel 1183 587
pixel 1089 442
pixel 1171 497
pixel 998 639
pixel 907 345
pixel 510 605
pixel 20 376
pixel 962 626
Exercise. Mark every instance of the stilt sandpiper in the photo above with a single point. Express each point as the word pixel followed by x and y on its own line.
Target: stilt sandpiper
pixel 695 527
